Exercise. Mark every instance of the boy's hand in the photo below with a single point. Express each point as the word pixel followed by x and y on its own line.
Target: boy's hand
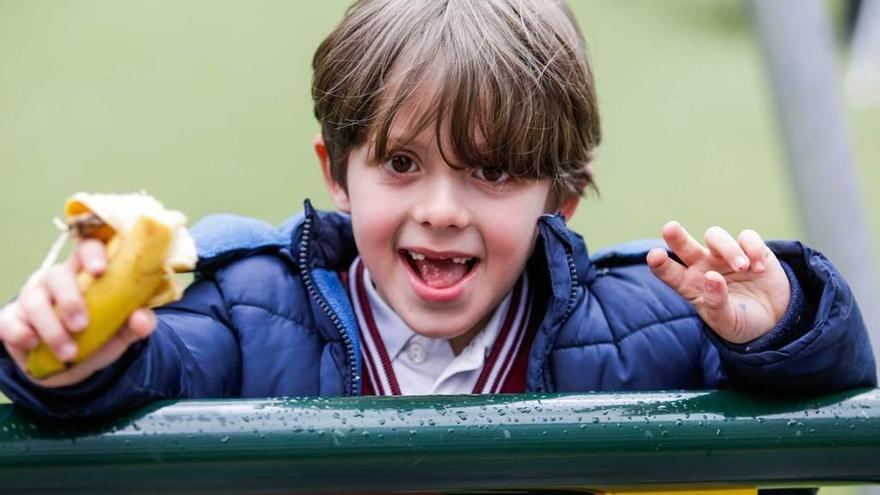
pixel 32 317
pixel 737 286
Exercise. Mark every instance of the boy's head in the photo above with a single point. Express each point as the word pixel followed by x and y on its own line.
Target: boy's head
pixel 447 128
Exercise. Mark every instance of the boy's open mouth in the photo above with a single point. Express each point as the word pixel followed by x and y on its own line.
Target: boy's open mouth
pixel 439 270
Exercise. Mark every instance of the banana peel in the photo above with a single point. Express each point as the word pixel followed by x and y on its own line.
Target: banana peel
pixel 145 245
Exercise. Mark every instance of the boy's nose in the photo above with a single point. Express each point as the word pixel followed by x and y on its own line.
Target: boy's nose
pixel 441 209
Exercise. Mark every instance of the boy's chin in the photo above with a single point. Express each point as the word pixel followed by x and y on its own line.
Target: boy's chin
pixel 445 328
pixel 442 332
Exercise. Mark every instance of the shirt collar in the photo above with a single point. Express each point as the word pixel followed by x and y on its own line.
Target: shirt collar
pixel 394 332
pixel 473 357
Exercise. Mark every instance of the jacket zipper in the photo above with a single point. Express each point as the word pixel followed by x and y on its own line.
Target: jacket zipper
pixel 318 297
pixel 572 295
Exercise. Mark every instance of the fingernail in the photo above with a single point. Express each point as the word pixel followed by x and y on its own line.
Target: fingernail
pixel 32 343
pixel 711 284
pixel 759 266
pixel 95 265
pixel 68 352
pixel 79 322
pixel 740 262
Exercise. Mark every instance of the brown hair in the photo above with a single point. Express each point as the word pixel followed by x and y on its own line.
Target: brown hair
pixel 509 79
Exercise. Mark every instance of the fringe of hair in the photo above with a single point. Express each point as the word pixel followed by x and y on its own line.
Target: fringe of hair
pixel 508 79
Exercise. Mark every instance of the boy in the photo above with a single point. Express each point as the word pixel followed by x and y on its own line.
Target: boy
pixel 451 132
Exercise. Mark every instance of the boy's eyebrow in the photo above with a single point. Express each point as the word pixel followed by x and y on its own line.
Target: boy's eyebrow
pixel 397 141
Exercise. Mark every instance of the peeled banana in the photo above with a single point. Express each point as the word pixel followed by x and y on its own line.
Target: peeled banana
pixel 145 245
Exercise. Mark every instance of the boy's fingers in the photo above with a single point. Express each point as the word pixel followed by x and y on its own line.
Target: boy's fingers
pixel 656 257
pixel 127 336
pixel 15 332
pixel 722 244
pixel 755 249
pixel 715 308
pixel 666 269
pixel 142 322
pixel 42 317
pixel 64 290
pixel 108 354
pixel 90 256
pixel 682 244
pixel 112 350
pixel 714 291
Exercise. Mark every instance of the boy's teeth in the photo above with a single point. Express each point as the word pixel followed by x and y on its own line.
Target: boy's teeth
pixel 455 259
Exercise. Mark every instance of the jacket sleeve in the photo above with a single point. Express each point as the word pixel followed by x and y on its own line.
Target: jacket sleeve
pixel 193 352
pixel 821 344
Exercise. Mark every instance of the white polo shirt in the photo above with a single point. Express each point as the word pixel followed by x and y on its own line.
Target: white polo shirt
pixel 422 365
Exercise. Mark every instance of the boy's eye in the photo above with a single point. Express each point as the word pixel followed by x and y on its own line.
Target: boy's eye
pixel 400 164
pixel 494 175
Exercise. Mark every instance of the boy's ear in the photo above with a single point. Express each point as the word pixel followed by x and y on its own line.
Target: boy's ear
pixel 337 193
pixel 569 206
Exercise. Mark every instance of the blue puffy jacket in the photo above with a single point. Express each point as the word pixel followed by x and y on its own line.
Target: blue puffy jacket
pixel 268 316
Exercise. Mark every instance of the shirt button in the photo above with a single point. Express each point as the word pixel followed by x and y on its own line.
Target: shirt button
pixel 416 352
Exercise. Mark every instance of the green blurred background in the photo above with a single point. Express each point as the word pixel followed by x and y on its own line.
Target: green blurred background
pixel 206 105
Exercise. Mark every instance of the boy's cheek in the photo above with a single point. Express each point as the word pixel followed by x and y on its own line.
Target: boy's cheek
pixel 510 242
pixel 375 232
pixel 372 238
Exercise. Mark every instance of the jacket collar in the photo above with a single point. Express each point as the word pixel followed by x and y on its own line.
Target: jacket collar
pixel 553 229
pixel 332 240
pixel 566 265
pixel 560 254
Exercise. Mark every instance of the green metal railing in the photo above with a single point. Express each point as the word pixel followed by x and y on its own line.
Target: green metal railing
pixel 586 441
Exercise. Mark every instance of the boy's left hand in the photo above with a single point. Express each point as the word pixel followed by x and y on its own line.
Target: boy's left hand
pixel 737 286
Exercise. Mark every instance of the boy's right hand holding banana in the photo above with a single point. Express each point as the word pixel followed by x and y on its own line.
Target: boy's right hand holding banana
pixel 75 318
pixel 32 318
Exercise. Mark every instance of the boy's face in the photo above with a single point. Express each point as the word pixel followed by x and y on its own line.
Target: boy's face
pixel 443 245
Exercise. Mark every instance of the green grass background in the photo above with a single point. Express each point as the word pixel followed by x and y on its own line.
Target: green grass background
pixel 205 104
